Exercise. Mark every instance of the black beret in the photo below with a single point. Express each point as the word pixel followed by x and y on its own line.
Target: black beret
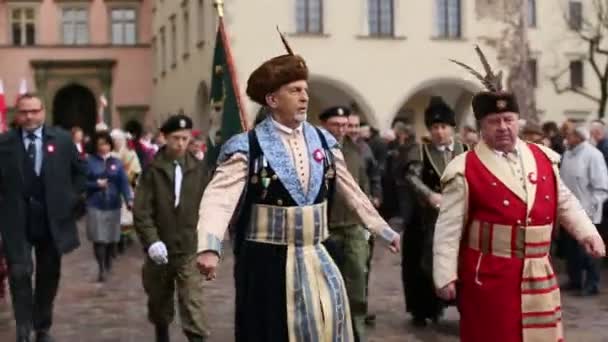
pixel 439 112
pixel 273 74
pixel 334 111
pixel 486 103
pixel 176 123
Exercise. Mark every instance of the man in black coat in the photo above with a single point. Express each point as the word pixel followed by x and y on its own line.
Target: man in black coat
pixel 41 182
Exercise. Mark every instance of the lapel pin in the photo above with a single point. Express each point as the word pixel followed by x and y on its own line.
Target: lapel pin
pixel 50 148
pixel 318 155
pixel 532 177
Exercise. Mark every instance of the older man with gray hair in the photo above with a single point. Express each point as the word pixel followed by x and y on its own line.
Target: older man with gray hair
pixel 583 170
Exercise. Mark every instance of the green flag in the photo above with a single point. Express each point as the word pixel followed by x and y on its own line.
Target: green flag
pixel 224 96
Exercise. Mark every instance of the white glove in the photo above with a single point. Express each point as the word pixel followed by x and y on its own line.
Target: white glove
pixel 158 253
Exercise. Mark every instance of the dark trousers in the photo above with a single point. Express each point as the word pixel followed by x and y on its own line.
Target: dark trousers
pixel 33 306
pixel 580 264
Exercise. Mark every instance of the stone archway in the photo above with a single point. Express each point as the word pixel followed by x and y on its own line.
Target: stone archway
pixel 457 93
pixel 325 92
pixel 75 105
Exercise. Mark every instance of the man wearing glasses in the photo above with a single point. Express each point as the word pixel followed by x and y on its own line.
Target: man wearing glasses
pixel 41 180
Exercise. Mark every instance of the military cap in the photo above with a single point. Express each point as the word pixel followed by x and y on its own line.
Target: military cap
pixel 274 73
pixel 333 112
pixel 439 112
pixel 176 123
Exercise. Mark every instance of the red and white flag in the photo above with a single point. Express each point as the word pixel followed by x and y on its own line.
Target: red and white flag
pixel 2 108
pixel 23 87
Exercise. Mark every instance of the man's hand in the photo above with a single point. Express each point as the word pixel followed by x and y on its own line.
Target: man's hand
pixel 158 253
pixel 207 264
pixel 594 246
pixel 448 292
pixel 435 199
pixel 395 245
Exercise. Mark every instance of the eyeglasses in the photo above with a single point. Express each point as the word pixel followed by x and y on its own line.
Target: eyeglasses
pixel 30 111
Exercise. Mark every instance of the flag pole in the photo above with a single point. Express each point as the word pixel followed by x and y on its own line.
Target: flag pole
pixel 219 6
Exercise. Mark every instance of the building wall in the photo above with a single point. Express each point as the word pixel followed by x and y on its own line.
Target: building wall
pixel 131 80
pixel 383 74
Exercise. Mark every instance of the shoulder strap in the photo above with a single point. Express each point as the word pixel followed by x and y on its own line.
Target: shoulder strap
pixel 329 162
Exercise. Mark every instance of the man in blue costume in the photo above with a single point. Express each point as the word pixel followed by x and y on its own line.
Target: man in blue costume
pixel 274 184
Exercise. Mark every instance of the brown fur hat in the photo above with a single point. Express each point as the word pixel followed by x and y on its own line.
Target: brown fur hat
pixel 275 73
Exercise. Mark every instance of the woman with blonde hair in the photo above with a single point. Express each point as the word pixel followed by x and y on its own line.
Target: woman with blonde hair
pixel 132 167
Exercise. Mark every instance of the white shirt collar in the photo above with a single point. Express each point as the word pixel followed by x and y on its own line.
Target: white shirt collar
pixel 37 132
pixel 500 154
pixel 449 147
pixel 285 129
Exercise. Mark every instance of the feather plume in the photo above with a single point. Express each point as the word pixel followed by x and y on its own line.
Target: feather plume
pixel 484 81
pixel 285 43
pixel 496 80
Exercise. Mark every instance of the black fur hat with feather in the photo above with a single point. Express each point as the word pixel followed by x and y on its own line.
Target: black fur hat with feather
pixel 276 72
pixel 494 99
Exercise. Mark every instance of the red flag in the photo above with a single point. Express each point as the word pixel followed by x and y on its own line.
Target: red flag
pixel 2 109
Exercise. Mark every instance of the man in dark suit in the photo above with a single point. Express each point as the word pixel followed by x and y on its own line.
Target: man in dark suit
pixel 41 180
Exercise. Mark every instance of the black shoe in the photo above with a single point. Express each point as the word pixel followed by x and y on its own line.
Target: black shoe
pixel 23 334
pixel 194 337
pixel 44 336
pixel 571 287
pixel 590 292
pixel 370 320
pixel 419 322
pixel 101 278
pixel 162 333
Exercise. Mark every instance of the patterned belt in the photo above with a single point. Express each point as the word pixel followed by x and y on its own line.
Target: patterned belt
pixel 299 226
pixel 507 241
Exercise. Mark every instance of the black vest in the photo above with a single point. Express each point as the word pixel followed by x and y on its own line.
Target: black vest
pixel 264 186
pixel 430 177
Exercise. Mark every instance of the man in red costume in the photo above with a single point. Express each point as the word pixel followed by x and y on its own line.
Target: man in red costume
pixel 500 205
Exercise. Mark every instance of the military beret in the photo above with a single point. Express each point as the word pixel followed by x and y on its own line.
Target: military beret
pixel 333 112
pixel 486 103
pixel 273 74
pixel 176 123
pixel 439 112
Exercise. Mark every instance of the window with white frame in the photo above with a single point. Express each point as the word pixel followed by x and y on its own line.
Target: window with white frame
pixel 23 26
pixel 75 25
pixel 309 16
pixel 381 17
pixel 575 15
pixel 124 26
pixel 186 22
pixel 577 77
pixel 448 19
pixel 173 41
pixel 531 13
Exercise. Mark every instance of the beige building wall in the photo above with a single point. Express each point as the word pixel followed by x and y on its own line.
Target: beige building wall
pixel 385 76
pixel 120 72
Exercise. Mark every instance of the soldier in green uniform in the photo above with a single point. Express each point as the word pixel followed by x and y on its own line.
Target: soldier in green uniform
pixel 165 217
pixel 348 240
pixel 422 170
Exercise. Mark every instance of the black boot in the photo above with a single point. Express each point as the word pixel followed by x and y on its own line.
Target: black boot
pixel 23 334
pixel 108 258
pixel 192 337
pixel 44 336
pixel 162 333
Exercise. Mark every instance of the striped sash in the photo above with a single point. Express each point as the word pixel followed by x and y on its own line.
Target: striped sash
pixel 317 303
pixel 541 304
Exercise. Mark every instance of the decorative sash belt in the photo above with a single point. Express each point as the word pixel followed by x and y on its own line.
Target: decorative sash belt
pixel 299 226
pixel 540 297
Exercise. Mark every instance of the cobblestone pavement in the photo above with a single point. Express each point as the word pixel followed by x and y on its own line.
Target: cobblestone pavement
pixel 115 311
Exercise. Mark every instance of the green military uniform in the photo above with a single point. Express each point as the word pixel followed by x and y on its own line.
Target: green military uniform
pixel 348 241
pixel 157 219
